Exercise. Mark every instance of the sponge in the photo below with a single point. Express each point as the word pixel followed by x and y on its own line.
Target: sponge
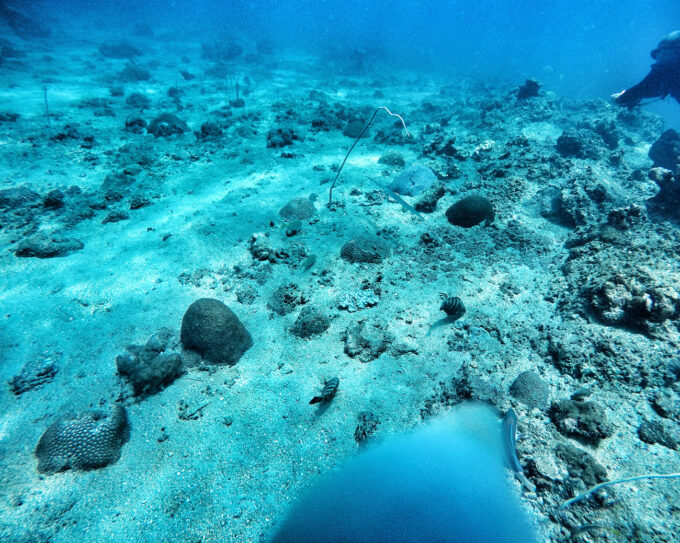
pixel 444 482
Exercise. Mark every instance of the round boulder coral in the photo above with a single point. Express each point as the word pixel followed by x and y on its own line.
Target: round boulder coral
pixel 354 130
pixel 297 208
pixel 89 440
pixel 167 124
pixel 310 322
pixel 470 211
pixel 364 248
pixel 212 329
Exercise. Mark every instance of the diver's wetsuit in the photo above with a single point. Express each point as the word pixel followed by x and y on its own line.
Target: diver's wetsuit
pixel 664 77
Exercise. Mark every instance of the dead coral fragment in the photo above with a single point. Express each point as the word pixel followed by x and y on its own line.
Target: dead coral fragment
pixel 167 124
pixel 625 301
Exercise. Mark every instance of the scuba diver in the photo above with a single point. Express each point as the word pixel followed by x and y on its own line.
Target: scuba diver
pixel 662 80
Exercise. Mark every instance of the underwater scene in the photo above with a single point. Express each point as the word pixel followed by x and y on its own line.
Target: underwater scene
pixel 322 271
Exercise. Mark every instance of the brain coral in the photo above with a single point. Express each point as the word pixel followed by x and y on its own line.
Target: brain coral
pixel 364 248
pixel 88 440
pixel 213 330
pixel 298 208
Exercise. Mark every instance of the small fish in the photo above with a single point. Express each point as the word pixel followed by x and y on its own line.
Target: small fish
pixel 330 387
pixel 509 429
pixel 453 307
pixel 309 262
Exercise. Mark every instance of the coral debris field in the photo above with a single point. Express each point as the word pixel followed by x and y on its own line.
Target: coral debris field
pixel 171 272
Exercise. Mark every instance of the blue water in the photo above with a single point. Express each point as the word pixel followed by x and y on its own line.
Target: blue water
pixel 581 49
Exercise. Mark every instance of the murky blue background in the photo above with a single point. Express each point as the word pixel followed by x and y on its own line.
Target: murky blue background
pixel 578 48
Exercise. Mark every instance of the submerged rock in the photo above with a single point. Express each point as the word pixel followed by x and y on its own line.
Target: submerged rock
pixel 628 217
pixel 119 50
pixel 116 215
pixel 148 376
pixel 209 130
pixel 367 425
pixel 528 89
pixel 138 100
pixel 285 299
pixel 133 73
pixel 54 199
pixel 141 153
pixel 358 300
pixel 392 158
pixel 580 144
pixel 8 116
pixel 47 246
pixel 366 341
pixel 668 198
pixel 17 197
pixel 580 464
pixel 427 203
pixel 444 147
pixel 658 432
pixel 136 125
pixel 246 295
pixel 167 124
pixel 221 50
pixel 353 130
pixel 665 151
pixel 282 137
pixel 310 322
pixel 470 211
pixel 117 185
pixel 584 420
pixel 261 248
pixel 24 26
pixel 34 374
pixel 7 50
pixel 633 301
pixel 365 248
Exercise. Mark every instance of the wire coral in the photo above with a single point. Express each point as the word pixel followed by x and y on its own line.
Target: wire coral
pixel 595 488
pixel 330 192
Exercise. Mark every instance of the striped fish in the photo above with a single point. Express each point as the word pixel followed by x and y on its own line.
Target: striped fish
pixel 330 387
pixel 453 307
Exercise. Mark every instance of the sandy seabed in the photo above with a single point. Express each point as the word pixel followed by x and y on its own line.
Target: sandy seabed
pixel 109 232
